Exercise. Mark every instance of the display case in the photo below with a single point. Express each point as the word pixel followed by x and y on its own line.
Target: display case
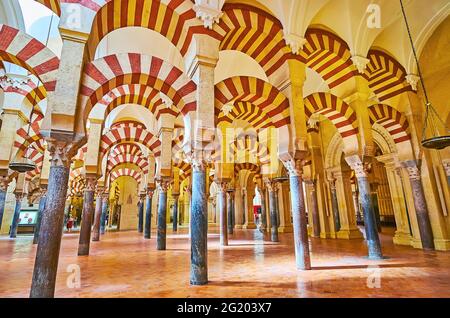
pixel 27 221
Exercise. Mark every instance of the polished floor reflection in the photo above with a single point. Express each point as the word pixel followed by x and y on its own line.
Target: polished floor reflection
pixel 123 264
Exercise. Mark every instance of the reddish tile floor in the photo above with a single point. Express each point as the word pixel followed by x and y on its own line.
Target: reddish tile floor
pixel 123 264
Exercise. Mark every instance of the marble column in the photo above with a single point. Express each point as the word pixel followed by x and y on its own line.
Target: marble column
pixel 47 253
pixel 446 165
pixel 314 208
pixel 335 205
pixel 238 209
pixel 244 215
pixel 141 213
pixel 359 217
pixel 86 216
pixel 271 188
pixel 148 215
pixel 230 205
pixel 222 203
pixel 39 216
pixel 175 211
pixel 15 220
pixel 4 182
pixel 301 243
pixel 97 216
pixel 263 227
pixel 420 204
pixel 199 225
pixel 370 223
pixel 163 186
pixel 105 206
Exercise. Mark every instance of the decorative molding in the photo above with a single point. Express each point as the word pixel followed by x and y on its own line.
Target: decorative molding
pixel 295 42
pixel 360 62
pixel 11 82
pixel 4 183
pixel 361 168
pixel 163 184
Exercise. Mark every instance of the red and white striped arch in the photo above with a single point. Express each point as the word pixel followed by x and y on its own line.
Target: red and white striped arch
pixel 392 120
pixel 247 112
pixel 174 19
pixel 386 76
pixel 127 148
pixel 137 94
pixel 254 32
pixel 126 158
pixel 103 75
pixel 246 166
pixel 53 5
pixel 130 133
pixel 328 55
pixel 123 172
pixel 338 112
pixel 257 92
pixel 21 49
pixel 24 139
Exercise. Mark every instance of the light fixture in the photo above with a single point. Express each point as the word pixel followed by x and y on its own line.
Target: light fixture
pixel 437 141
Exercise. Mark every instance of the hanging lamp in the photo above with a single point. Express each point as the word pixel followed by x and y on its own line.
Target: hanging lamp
pixel 24 164
pixel 437 141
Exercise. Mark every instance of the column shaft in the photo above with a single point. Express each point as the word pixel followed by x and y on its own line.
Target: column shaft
pixel 221 201
pixel 315 210
pixel 86 217
pixel 148 216
pixel 47 254
pixel 42 202
pixel 199 229
pixel 263 210
pixel 105 206
pixel 273 216
pixel 302 256
pixel 162 219
pixel 2 205
pixel 15 220
pixel 97 219
pixel 175 214
pixel 230 212
pixel 335 207
pixel 141 216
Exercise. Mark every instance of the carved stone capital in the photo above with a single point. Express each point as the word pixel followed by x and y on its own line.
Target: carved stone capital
pixel 360 62
pixel 61 152
pixel 163 184
pixel 209 11
pixel 295 42
pixel 105 196
pixel 19 195
pixel 10 83
pixel 361 168
pixel 4 183
pixel 222 185
pixel 413 80
pixel 271 184
pixel 294 167
pixel 91 183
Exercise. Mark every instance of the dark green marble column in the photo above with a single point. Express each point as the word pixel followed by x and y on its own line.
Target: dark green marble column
pixel 15 220
pixel 39 216
pixel 87 216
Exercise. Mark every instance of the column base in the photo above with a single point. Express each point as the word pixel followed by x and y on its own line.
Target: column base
pixel 401 238
pixel 416 243
pixel 351 234
pixel 286 229
pixel 238 227
pixel 326 235
pixel 442 245
pixel 249 226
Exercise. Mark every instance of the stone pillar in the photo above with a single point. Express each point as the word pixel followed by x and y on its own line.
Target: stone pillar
pixel 244 215
pixel 271 188
pixel 148 215
pixel 199 225
pixel 97 216
pixel 335 205
pixel 86 217
pixel 284 209
pixel 359 217
pixel 15 220
pixel 4 182
pixel 163 186
pixel 175 211
pixel 105 206
pixel 250 216
pixel 42 202
pixel 262 193
pixel 230 208
pixel 141 213
pixel 420 204
pixel 47 254
pixel 301 243
pixel 370 224
pixel 314 208
pixel 446 165
pixel 222 203
pixel 238 209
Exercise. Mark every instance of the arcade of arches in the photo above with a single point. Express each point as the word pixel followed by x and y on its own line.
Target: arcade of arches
pixel 211 126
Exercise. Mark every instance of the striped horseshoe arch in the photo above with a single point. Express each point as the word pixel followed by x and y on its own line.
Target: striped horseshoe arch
pixel 123 158
pixel 257 92
pixel 328 55
pixel 247 112
pixel 246 166
pixel 127 133
pixel 126 172
pixel 174 19
pixel 254 32
pixel 386 76
pixel 127 148
pixel 337 111
pixel 392 120
pixel 24 140
pixel 103 75
pixel 137 94
pixel 21 49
